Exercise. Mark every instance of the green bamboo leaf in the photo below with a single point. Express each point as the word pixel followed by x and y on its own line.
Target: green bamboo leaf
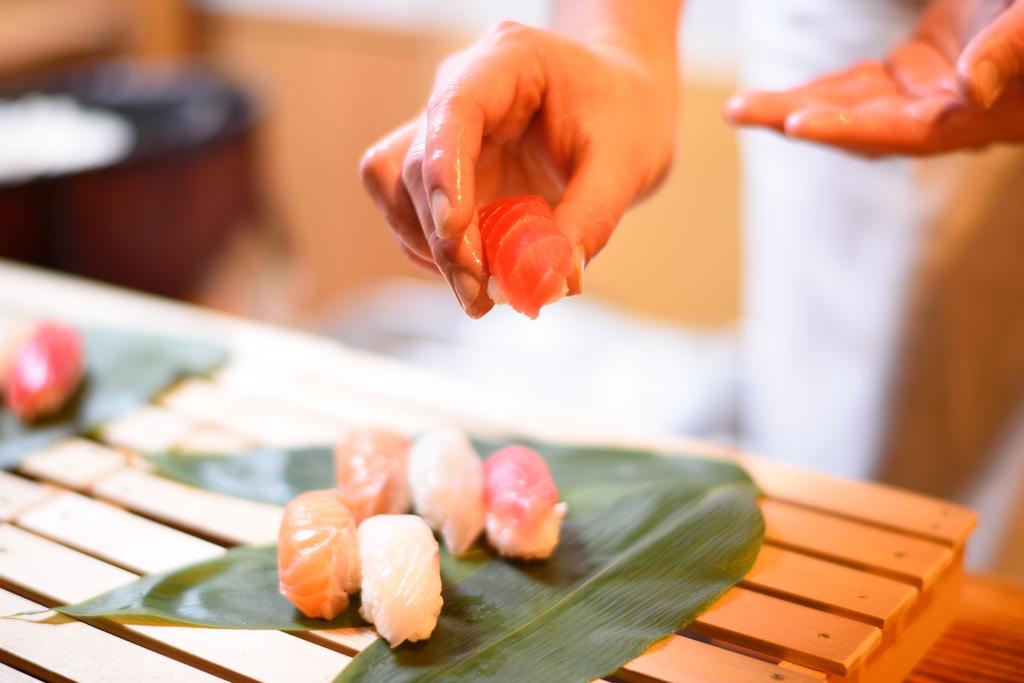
pixel 266 475
pixel 276 475
pixel 649 543
pixel 122 371
pixel 625 575
pixel 235 590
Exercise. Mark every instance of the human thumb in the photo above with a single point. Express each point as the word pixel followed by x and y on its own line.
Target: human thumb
pixel 994 59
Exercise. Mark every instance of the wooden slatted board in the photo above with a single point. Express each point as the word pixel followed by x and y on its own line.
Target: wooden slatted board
pixel 854 582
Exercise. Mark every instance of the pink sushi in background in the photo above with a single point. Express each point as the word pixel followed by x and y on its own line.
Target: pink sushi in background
pixel 44 367
pixel 371 467
pixel 524 517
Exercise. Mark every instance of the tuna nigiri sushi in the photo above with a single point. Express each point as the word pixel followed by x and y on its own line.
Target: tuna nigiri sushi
pixel 401 583
pixel 45 367
pixel 447 482
pixel 524 516
pixel 371 468
pixel 317 553
pixel 528 257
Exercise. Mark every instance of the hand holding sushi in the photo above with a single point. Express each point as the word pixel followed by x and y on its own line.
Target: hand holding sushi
pixel 585 122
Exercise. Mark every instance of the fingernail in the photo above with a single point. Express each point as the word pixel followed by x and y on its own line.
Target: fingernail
pixel 810 122
pixel 987 82
pixel 734 107
pixel 466 286
pixel 440 208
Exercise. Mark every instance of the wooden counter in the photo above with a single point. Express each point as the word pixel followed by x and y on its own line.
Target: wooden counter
pixel 985 641
pixel 855 581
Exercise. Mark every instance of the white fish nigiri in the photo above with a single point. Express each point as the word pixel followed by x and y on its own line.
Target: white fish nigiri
pixel 370 466
pixel 446 477
pixel 401 570
pixel 524 517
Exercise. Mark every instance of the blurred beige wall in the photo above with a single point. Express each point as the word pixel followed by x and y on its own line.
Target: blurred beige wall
pixel 330 90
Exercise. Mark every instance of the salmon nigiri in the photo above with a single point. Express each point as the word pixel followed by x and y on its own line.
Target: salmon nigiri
pixel 524 516
pixel 401 580
pixel 528 257
pixel 317 553
pixel 371 468
pixel 447 482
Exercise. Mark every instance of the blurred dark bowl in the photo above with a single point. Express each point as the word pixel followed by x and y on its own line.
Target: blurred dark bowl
pixel 157 219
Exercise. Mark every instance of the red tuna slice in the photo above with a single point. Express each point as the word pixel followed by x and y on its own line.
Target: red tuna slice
pixel 497 219
pixel 486 212
pixel 532 264
pixel 526 252
pixel 46 369
pixel 518 486
pixel 504 219
pixel 491 211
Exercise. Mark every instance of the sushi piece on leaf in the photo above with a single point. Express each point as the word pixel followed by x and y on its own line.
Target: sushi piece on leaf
pixel 401 584
pixel 317 553
pixel 371 466
pixel 446 477
pixel 528 256
pixel 44 368
pixel 524 516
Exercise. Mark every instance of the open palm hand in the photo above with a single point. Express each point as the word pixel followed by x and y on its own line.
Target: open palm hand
pixel 955 84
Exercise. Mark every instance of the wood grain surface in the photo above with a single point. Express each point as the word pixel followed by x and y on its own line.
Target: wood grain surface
pixel 854 584
pixel 985 644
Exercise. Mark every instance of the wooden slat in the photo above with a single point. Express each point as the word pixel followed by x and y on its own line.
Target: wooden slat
pixel 803 671
pixel 54 645
pixel 212 439
pixel 882 505
pixel 905 558
pixel 877 600
pixel 11 675
pixel 986 640
pixel 62 575
pixel 348 640
pixel 153 428
pixel 75 463
pixel 320 397
pixel 684 660
pixel 260 421
pixel 802 635
pixel 148 429
pixel 210 514
pixel 18 494
pixel 30 562
pixel 115 535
